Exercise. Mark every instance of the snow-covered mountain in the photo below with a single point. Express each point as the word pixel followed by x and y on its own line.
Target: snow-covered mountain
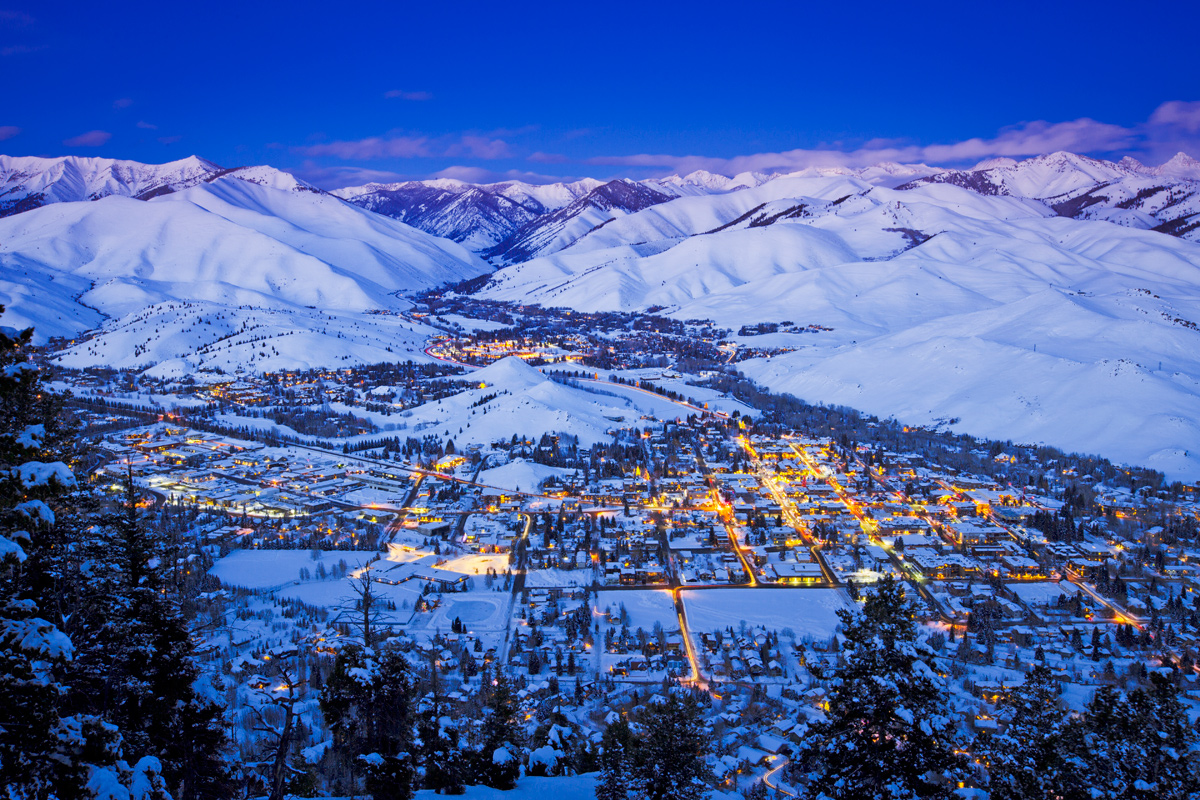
pixel 1164 198
pixel 512 222
pixel 478 216
pixel 28 182
pixel 552 232
pixel 934 301
pixel 254 239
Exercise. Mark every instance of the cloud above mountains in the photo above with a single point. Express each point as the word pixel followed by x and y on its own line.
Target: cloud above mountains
pixel 1170 128
pixel 89 139
pixel 1173 126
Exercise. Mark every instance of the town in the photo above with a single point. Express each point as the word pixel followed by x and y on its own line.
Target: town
pixel 668 526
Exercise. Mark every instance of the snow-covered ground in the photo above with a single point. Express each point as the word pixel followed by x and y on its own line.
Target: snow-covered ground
pixel 521 475
pixel 644 607
pixel 528 402
pixel 808 612
pixel 271 569
pixel 543 578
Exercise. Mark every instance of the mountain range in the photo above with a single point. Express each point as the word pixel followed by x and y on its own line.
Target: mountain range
pixel 1052 299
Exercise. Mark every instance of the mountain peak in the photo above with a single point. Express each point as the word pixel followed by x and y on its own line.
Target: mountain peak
pixel 1181 165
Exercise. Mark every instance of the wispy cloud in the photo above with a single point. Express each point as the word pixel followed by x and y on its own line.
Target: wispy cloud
pixel 483 175
pixel 480 147
pixel 547 158
pixel 122 102
pixel 1178 114
pixel 377 147
pixel 146 125
pixel 8 131
pixel 1172 125
pixel 21 49
pixel 89 139
pixel 400 94
pixel 169 139
pixel 337 177
pixel 373 147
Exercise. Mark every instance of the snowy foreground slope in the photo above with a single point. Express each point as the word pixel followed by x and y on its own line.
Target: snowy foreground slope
pixel 258 240
pixel 987 311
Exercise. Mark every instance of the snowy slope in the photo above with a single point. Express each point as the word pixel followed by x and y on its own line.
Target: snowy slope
pixel 552 232
pixel 521 475
pixel 695 248
pixel 1164 198
pixel 933 303
pixel 177 338
pixel 255 238
pixel 28 182
pixel 529 403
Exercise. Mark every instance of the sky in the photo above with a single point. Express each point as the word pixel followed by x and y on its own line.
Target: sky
pixel 343 94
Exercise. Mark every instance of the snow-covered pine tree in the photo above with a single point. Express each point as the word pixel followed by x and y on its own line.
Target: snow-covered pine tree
pixel 438 752
pixel 136 663
pixel 890 733
pixel 1139 745
pixel 616 761
pixel 670 753
pixel 367 705
pixel 1031 758
pixel 45 751
pixel 497 761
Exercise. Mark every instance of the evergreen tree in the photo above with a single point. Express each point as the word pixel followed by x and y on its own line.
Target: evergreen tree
pixel 615 762
pixel 45 750
pixel 1031 758
pixel 670 755
pixel 890 731
pixel 439 752
pixel 1140 745
pixel 496 761
pixel 366 703
pixel 137 665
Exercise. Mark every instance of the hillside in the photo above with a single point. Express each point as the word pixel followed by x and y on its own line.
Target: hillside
pixel 511 396
pixel 932 302
pixel 254 240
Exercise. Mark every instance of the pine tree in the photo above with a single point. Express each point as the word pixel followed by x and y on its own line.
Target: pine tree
pixel 890 733
pixel 496 761
pixel 1140 745
pixel 136 664
pixel 1031 757
pixel 367 705
pixel 439 753
pixel 45 750
pixel 670 755
pixel 615 762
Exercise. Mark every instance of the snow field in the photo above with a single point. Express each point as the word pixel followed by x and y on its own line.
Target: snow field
pixel 271 569
pixel 645 607
pixel 808 612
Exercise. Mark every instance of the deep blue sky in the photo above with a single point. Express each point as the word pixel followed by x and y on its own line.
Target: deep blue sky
pixel 603 89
